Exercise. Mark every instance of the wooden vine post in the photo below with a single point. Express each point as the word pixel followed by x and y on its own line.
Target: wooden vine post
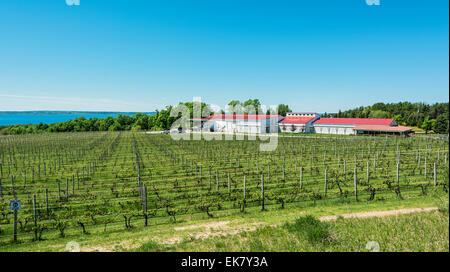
pixel 356 183
pixel 301 177
pixel 368 172
pixel 434 174
pixel 15 206
pixel 73 185
pixel 144 204
pixel 262 192
pixel 210 178
pixel 217 180
pixel 229 184
pixel 59 191
pixel 245 184
pixel 67 188
pixel 12 186
pixel 35 218
pixel 46 200
pixel 425 166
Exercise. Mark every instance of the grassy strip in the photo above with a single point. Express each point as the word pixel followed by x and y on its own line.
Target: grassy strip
pixel 405 233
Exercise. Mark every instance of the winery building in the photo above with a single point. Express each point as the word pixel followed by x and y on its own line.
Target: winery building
pixel 242 123
pixel 300 122
pixel 355 126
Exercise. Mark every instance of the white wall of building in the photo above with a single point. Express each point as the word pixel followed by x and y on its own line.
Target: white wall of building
pixel 333 129
pixel 293 128
pixel 247 126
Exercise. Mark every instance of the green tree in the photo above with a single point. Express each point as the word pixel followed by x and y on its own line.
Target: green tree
pixel 442 124
pixel 205 109
pixel 106 123
pixel 255 103
pixel 233 103
pixel 283 109
pixel 399 119
pixel 427 124
pixel 379 114
pixel 116 126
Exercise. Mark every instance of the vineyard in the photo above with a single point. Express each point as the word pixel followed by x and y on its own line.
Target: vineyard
pixel 71 182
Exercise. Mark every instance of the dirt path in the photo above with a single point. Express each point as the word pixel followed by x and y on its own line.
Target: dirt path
pixel 378 213
pixel 204 225
pixel 211 229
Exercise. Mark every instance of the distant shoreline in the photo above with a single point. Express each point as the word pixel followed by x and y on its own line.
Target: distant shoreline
pixel 10 118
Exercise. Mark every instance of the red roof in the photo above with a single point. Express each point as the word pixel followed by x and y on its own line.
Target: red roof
pixel 354 121
pixel 296 120
pixel 242 117
pixel 383 128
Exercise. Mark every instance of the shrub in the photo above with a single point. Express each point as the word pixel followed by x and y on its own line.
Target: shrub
pixel 310 228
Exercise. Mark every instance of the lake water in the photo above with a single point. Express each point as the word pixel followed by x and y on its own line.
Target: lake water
pixel 48 118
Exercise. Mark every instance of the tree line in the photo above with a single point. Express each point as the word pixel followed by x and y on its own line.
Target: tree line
pixel 281 109
pixel 428 117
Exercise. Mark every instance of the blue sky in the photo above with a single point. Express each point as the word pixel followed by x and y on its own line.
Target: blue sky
pixel 131 55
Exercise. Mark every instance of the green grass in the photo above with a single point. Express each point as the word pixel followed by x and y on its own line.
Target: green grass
pixel 415 232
